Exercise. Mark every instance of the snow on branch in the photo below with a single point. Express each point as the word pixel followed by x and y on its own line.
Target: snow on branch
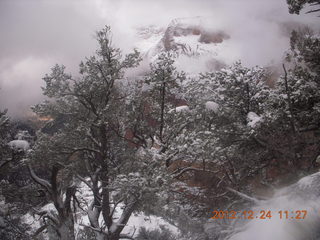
pixel 244 196
pixel 177 173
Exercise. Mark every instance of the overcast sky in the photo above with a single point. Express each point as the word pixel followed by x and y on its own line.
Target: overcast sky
pixel 36 34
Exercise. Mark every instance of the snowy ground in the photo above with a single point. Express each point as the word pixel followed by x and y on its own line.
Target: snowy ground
pixel 291 225
pixel 135 222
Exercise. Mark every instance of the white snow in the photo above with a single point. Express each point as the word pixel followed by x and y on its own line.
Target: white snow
pixel 212 106
pixel 194 48
pixel 149 222
pixel 308 182
pixel 19 145
pixel 289 199
pixel 253 119
pixel 192 56
pixel 33 221
pixel 180 109
pixel 149 37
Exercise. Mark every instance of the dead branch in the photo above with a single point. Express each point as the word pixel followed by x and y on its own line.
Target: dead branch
pixel 40 181
pixel 244 196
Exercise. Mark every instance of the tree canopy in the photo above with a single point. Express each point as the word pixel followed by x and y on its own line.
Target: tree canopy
pixel 295 6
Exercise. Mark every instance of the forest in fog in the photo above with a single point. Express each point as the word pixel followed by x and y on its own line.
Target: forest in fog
pixel 171 142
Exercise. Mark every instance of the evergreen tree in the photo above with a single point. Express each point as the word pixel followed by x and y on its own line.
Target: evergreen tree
pixel 164 81
pixel 90 143
pixel 225 122
pixel 295 6
pixel 4 138
pixel 294 106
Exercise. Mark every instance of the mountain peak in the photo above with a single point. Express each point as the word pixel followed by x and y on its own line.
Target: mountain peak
pixel 188 37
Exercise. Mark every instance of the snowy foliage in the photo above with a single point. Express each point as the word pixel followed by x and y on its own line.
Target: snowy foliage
pixel 232 95
pixel 253 119
pixel 168 138
pixel 295 6
pixel 4 130
pixel 19 145
pixel 180 109
pixel 163 233
pixel 90 141
pixel 212 106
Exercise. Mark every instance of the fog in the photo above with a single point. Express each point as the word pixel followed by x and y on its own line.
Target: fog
pixel 36 34
pixel 303 195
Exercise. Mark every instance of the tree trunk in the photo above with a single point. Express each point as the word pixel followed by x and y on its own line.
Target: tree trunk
pixel 100 236
pixel 66 230
pixel 163 94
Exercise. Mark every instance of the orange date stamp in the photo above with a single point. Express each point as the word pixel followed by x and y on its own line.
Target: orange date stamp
pixel 262 214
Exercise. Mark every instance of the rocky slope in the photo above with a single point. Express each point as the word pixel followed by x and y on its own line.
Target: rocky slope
pixel 189 38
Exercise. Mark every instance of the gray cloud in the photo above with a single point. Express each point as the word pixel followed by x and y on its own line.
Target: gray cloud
pixel 35 34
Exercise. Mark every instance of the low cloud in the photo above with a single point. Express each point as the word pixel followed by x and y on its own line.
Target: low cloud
pixel 36 34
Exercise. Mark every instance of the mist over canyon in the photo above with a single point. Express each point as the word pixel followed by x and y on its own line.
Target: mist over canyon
pixel 35 35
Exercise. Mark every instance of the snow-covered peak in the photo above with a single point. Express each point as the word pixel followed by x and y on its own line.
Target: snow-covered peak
pixel 190 38
pixel 149 37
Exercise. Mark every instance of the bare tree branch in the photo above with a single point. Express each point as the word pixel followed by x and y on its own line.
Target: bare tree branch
pixel 244 196
pixel 40 181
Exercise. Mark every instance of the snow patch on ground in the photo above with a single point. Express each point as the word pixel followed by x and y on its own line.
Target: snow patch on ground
pixel 293 200
pixel 309 182
pixel 149 222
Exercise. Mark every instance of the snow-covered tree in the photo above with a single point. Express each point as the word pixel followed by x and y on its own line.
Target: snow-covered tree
pixel 220 142
pixel 293 110
pixel 155 107
pixel 11 227
pixel 91 142
pixel 164 81
pixel 295 6
pixel 4 130
pixel 59 187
